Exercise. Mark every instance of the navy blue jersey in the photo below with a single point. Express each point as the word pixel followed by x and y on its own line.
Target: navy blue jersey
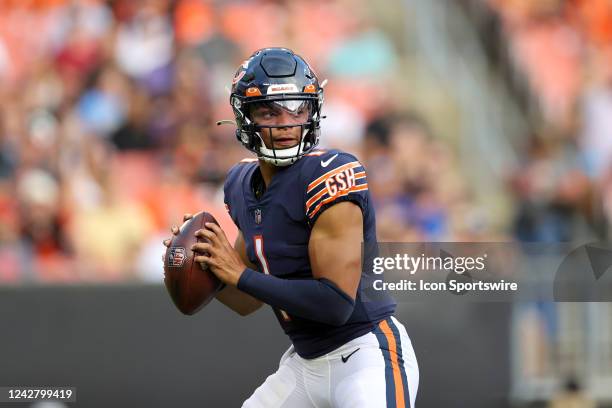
pixel 276 230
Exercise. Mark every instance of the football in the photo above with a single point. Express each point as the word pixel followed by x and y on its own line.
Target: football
pixel 190 286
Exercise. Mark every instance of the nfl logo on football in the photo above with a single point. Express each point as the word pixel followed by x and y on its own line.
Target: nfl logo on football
pixel 176 256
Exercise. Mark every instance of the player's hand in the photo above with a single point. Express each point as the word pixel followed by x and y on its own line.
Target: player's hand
pixel 175 231
pixel 222 259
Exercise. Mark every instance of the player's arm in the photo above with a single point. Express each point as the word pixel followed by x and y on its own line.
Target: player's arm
pixel 335 246
pixel 335 257
pixel 230 296
pixel 329 297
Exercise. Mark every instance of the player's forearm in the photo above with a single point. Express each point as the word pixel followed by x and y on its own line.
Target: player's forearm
pixel 314 299
pixel 238 301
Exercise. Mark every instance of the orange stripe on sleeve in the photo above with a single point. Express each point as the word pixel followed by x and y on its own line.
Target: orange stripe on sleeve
pixel 397 375
pixel 315 198
pixel 321 193
pixel 330 173
pixel 360 187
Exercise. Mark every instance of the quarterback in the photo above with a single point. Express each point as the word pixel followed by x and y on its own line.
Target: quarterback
pixel 303 215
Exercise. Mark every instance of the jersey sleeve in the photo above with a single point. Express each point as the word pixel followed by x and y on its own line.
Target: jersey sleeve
pixel 335 177
pixel 232 191
pixel 227 194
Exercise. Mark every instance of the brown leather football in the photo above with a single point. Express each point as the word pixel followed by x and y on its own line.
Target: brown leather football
pixel 189 286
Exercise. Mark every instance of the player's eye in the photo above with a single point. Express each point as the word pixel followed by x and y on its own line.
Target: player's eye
pixel 269 114
pixel 263 114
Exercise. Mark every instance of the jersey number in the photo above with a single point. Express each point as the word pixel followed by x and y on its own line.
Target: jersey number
pixel 264 265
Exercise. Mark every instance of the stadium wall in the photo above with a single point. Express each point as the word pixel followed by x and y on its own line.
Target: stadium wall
pixel 129 346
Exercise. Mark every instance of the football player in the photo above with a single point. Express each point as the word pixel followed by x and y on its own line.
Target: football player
pixel 303 216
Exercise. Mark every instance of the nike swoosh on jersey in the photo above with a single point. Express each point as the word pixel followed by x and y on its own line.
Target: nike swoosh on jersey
pixel 326 162
pixel 345 359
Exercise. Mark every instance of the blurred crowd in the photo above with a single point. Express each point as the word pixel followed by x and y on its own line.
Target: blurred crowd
pixel 556 56
pixel 559 53
pixel 108 134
